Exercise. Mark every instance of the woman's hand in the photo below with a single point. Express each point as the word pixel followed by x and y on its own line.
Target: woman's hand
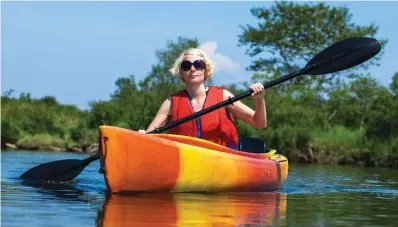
pixel 257 118
pixel 258 91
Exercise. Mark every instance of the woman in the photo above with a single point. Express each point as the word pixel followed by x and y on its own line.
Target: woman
pixel 194 67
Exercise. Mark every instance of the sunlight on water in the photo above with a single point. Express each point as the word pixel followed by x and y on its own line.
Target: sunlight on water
pixel 314 195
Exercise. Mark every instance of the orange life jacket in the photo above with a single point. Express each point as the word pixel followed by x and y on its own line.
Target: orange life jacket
pixel 218 126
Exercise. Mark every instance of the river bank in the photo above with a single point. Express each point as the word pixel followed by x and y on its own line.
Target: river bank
pixel 358 157
pixel 88 149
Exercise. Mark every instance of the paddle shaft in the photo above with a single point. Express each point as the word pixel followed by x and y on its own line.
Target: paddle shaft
pixel 282 79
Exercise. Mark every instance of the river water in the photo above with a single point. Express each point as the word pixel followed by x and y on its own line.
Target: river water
pixel 314 195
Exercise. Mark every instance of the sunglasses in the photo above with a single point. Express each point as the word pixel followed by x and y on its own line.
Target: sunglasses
pixel 198 64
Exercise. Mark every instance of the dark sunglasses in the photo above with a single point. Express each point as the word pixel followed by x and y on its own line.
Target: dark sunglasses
pixel 198 64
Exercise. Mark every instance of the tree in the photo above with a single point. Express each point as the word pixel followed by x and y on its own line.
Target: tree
pixel 394 84
pixel 382 122
pixel 49 100
pixel 289 34
pixel 125 87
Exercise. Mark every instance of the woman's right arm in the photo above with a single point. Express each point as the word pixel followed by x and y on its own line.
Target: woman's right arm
pixel 161 117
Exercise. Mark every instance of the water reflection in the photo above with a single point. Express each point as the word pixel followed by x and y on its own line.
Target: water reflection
pixel 180 209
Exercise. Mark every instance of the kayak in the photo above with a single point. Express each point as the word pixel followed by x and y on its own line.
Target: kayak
pixel 187 209
pixel 137 162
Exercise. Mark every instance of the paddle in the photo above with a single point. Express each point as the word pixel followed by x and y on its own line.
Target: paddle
pixel 339 56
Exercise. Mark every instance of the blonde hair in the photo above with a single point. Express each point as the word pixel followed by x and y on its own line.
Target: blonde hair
pixel 209 65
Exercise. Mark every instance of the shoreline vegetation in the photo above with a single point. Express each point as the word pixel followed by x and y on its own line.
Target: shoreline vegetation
pixel 346 118
pixel 338 145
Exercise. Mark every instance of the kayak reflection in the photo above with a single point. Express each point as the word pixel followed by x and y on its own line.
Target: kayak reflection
pixel 183 209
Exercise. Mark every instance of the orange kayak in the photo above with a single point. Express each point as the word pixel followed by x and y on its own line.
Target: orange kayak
pixel 136 162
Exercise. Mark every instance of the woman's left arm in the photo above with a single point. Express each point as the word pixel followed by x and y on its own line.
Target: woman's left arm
pixel 256 118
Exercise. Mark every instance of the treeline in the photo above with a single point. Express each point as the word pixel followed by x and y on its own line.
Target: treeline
pixel 340 118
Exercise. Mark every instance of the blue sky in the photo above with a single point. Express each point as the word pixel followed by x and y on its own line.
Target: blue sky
pixel 75 51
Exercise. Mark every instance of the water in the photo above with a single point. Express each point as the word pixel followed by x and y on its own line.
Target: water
pixel 314 195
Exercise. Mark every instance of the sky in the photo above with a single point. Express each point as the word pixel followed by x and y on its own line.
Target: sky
pixel 75 51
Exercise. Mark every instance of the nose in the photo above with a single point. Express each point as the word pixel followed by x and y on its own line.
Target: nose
pixel 192 68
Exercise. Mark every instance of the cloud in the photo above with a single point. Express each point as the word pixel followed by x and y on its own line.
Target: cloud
pixel 223 63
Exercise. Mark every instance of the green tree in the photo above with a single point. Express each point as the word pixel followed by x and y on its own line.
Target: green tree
pixel 394 84
pixel 289 34
pixel 382 120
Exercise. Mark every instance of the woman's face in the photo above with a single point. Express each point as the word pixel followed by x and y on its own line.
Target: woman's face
pixel 193 69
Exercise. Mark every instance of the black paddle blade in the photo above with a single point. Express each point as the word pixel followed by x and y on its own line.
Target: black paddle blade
pixel 62 170
pixel 343 54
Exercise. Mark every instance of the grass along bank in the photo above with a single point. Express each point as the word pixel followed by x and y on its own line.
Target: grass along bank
pixel 339 145
pixel 47 142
